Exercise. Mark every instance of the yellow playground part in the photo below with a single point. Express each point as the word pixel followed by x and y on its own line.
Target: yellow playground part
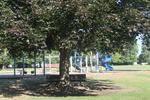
pixel 101 68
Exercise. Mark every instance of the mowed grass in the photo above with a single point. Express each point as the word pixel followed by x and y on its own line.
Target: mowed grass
pixel 133 85
pixel 132 67
pixel 10 71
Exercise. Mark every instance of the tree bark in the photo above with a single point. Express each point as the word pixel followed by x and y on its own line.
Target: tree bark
pixel 64 67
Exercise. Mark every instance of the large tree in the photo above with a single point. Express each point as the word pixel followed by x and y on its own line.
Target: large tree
pixel 107 25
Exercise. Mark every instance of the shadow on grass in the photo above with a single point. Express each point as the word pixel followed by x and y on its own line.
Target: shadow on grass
pixel 39 87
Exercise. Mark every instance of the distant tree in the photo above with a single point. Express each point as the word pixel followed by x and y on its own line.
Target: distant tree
pixel 116 58
pixel 5 58
pixel 128 56
pixel 141 59
pixel 144 57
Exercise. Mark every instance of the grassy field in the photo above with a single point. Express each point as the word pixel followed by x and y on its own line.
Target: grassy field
pixel 132 67
pixel 10 71
pixel 127 83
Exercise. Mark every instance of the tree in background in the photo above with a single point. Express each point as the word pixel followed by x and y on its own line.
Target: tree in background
pixel 129 56
pixel 116 58
pixel 5 58
pixel 144 57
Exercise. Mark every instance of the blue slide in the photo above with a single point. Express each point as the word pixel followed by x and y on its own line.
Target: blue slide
pixel 104 60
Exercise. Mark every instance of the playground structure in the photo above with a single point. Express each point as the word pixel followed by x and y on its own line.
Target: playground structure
pixel 90 63
pixel 45 71
pixel 105 61
pixel 21 71
pixel 79 64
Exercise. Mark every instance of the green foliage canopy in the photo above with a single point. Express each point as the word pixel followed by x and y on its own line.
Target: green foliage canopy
pixel 70 23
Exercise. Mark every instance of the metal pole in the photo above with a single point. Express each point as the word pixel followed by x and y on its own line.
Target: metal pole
pixel 43 60
pixel 23 64
pixel 50 63
pixel 35 62
pixel 91 61
pixel 97 62
pixel 14 65
pixel 71 67
pixel 86 63
pixel 75 57
pixel 81 64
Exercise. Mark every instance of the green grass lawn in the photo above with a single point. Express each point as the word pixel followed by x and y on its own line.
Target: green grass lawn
pixel 10 71
pixel 133 85
pixel 132 67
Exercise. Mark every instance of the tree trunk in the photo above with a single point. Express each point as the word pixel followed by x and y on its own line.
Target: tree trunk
pixel 64 67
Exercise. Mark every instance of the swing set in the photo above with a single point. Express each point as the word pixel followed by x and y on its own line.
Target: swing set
pixel 21 72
